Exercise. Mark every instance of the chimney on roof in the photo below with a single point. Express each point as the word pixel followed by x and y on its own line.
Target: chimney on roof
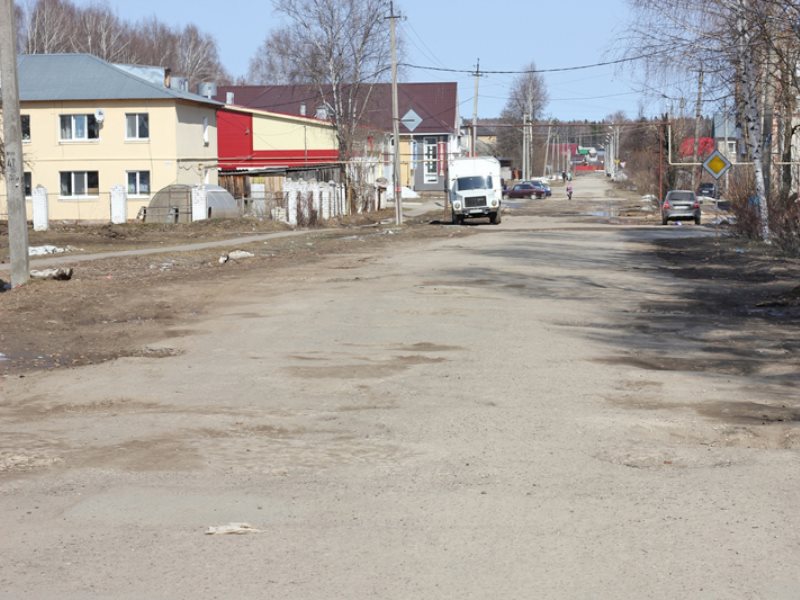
pixel 302 110
pixel 167 77
pixel 207 89
pixel 229 98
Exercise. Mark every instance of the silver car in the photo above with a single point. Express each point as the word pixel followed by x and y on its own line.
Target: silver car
pixel 679 205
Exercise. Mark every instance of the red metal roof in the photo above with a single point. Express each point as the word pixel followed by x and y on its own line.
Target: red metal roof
pixel 435 103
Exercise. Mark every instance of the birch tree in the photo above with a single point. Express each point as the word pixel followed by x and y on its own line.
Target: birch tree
pixel 751 113
pixel 48 26
pixel 100 32
pixel 196 56
pixel 59 26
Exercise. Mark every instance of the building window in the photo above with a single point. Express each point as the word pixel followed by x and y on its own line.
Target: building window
pixel 79 127
pixel 137 126
pixel 431 150
pixel 28 184
pixel 138 183
pixel 26 128
pixel 80 183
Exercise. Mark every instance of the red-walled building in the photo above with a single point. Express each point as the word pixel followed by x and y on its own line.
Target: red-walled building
pixel 254 139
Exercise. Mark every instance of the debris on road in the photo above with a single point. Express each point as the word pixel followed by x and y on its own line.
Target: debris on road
pixel 58 274
pixel 723 220
pixel 232 529
pixel 235 255
pixel 48 249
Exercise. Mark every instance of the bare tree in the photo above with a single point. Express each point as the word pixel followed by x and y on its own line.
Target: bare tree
pixel 58 26
pixel 197 56
pixel 100 32
pixel 527 98
pixel 271 66
pixel 341 47
pixel 48 26
pixel 154 43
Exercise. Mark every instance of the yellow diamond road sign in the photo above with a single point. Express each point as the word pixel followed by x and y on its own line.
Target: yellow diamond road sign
pixel 717 164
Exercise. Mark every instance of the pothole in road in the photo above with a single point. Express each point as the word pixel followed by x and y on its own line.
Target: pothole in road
pixel 669 363
pixel 749 412
pixel 377 369
pixel 679 458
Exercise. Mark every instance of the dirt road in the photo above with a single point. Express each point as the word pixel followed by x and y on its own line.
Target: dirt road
pixel 550 408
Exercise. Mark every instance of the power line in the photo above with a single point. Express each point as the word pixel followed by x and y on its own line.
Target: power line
pixel 529 71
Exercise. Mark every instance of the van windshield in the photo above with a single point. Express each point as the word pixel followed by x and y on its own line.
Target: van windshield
pixel 474 183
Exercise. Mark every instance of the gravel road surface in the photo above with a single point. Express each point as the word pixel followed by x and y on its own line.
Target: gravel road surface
pixel 488 415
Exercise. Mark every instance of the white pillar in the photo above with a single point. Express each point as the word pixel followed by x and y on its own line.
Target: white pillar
pixel 199 204
pixel 326 202
pixel 119 204
pixel 291 208
pixel 41 217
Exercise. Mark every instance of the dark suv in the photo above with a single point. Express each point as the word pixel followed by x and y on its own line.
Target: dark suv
pixel 709 190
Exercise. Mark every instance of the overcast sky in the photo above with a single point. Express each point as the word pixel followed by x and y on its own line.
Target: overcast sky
pixel 505 35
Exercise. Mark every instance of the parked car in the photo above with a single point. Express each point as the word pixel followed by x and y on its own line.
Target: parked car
pixel 709 190
pixel 542 186
pixel 525 189
pixel 679 205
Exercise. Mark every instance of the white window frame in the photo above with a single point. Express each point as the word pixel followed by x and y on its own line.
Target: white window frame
pixel 85 182
pixel 137 137
pixel 430 159
pixel 138 183
pixel 87 126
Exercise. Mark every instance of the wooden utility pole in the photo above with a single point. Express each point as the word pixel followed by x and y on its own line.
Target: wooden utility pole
pixel 398 195
pixel 12 134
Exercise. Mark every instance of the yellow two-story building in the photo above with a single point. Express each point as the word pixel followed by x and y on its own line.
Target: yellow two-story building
pixel 88 126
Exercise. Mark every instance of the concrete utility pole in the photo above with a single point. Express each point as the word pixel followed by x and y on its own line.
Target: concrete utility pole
pixel 696 172
pixel 547 150
pixel 12 133
pixel 525 153
pixel 398 195
pixel 475 110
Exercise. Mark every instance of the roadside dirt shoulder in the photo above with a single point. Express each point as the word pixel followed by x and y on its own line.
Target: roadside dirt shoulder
pixel 113 307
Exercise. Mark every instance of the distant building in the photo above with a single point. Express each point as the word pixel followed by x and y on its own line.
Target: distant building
pixel 428 122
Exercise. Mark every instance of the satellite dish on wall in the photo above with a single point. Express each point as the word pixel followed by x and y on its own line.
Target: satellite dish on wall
pixel 99 115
